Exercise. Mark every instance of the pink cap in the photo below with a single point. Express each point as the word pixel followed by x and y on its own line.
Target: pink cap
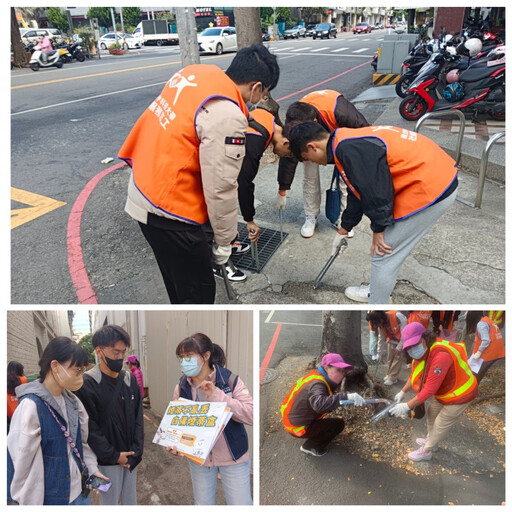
pixel 132 359
pixel 335 360
pixel 411 334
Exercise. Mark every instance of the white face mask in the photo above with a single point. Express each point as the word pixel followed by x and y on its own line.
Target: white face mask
pixel 252 106
pixel 417 351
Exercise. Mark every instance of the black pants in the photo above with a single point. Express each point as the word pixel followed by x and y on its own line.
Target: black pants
pixel 321 432
pixel 484 369
pixel 183 254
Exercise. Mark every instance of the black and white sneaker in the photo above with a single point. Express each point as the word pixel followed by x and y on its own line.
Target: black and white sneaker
pixel 240 248
pixel 234 274
pixel 312 451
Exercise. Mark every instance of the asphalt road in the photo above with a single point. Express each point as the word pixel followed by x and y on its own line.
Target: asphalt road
pixel 64 122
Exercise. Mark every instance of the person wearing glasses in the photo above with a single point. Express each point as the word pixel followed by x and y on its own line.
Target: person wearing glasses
pixel 48 456
pixel 113 401
pixel 205 379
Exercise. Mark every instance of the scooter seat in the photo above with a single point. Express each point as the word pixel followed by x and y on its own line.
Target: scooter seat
pixel 473 74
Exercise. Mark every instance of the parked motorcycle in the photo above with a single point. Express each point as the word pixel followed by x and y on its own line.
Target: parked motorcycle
pixel 38 60
pixel 65 56
pixel 75 51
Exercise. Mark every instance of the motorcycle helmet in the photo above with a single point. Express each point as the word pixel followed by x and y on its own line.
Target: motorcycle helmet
pixel 452 76
pixel 451 50
pixel 470 48
pixel 453 92
pixel 496 56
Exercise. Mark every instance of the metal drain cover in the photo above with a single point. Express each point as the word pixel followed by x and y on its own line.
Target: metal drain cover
pixel 270 373
pixel 268 243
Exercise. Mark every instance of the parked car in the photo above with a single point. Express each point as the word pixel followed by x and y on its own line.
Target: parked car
pixel 378 26
pixel 310 29
pixel 325 30
pixel 127 41
pixel 34 35
pixel 362 28
pixel 217 40
pixel 295 32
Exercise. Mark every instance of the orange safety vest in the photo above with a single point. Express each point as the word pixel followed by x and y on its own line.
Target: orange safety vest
pixel 12 400
pixel 395 327
pixel 263 124
pixel 325 102
pixel 287 405
pixel 496 349
pixel 417 183
pixel 465 381
pixel 496 316
pixel 441 317
pixel 422 317
pixel 163 146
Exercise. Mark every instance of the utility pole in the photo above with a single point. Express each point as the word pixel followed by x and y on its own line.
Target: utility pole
pixel 113 23
pixel 122 21
pixel 189 47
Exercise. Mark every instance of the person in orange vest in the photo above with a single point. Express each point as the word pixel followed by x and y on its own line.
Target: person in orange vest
pixel 15 378
pixel 445 324
pixel 400 179
pixel 440 369
pixel 312 397
pixel 423 317
pixel 262 132
pixel 331 110
pixel 391 323
pixel 489 345
pixel 186 151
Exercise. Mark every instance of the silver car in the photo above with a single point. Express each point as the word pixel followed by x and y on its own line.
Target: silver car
pixel 295 32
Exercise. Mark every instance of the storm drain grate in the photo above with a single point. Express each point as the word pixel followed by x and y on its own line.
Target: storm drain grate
pixel 268 243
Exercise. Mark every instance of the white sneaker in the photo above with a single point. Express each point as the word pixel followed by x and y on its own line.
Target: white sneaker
pixel 389 382
pixel 358 293
pixel 308 229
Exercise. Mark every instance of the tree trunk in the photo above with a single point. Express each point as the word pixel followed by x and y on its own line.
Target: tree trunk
pixel 411 15
pixel 189 47
pixel 248 26
pixel 18 48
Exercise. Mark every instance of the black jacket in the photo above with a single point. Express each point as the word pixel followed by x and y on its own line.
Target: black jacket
pixel 110 435
pixel 346 115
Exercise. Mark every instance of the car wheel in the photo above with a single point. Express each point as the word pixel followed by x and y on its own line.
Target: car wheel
pixel 159 42
pixel 334 35
pixel 314 37
pixel 103 46
pixel 219 49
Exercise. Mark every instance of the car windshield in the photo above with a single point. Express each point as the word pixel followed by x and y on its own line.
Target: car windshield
pixel 323 26
pixel 296 27
pixel 211 32
pixel 363 24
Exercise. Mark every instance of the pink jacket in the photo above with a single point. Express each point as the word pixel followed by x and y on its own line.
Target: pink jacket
pixel 140 379
pixel 241 405
pixel 45 44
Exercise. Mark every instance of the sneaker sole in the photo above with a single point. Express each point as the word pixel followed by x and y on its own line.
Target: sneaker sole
pixel 433 449
pixel 311 453
pixel 231 280
pixel 357 299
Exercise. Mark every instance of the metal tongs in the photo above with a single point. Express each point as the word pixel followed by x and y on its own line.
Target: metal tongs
pixel 379 415
pixel 330 261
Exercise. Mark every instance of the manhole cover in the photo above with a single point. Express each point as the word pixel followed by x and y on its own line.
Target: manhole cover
pixel 268 243
pixel 270 374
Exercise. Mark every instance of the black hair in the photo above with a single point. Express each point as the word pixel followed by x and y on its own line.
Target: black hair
pixel 14 372
pixel 429 337
pixel 62 349
pixel 200 343
pixel 108 335
pixel 377 319
pixel 303 133
pixel 300 111
pixel 254 63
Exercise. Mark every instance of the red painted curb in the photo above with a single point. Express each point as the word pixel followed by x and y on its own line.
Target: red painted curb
pixel 83 287
pixel 270 351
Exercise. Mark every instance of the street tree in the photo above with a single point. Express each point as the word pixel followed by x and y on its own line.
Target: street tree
pixel 131 16
pixel 308 13
pixel 86 343
pixel 57 17
pixel 102 14
pixel 411 17
pixel 18 48
pixel 189 47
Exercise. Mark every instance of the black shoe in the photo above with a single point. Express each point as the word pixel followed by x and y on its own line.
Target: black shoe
pixel 234 274
pixel 240 248
pixel 312 451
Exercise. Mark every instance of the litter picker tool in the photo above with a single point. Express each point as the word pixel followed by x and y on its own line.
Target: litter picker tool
pixel 368 401
pixel 281 213
pixel 330 261
pixel 254 254
pixel 232 295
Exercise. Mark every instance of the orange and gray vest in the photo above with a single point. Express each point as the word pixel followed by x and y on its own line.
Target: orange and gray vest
pixel 417 183
pixel 465 381
pixel 496 349
pixel 395 327
pixel 262 125
pixel 286 407
pixel 325 102
pixel 163 146
pixel 422 317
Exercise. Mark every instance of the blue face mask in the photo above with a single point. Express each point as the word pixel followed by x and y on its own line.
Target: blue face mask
pixel 417 351
pixel 190 367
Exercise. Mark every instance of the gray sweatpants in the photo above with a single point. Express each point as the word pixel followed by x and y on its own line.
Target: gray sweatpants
pixel 402 236
pixel 124 486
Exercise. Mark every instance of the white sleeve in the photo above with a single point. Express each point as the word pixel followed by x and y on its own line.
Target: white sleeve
pixel 24 445
pixel 402 320
pixel 89 456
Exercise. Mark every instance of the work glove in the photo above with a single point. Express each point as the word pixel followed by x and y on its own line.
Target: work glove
pixel 477 355
pixel 399 396
pixel 280 201
pixel 357 399
pixel 399 409
pixel 221 253
pixel 337 241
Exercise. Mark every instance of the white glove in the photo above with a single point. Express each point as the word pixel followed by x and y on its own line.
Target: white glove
pixel 357 399
pixel 337 241
pixel 399 396
pixel 221 253
pixel 280 201
pixel 477 355
pixel 399 409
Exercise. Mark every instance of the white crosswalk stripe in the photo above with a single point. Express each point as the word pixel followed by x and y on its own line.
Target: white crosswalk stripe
pixel 320 49
pixel 283 49
pixel 301 49
pixel 339 50
pixel 360 50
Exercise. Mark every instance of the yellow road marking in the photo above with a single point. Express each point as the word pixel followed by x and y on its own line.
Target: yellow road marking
pixel 39 205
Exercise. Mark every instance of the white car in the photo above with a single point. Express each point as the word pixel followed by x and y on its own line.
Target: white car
pixel 127 41
pixel 217 40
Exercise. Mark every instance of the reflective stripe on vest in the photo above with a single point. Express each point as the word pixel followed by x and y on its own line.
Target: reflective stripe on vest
pixel 288 401
pixel 395 327
pixel 263 124
pixel 325 102
pixel 418 182
pixel 496 348
pixel 417 368
pixel 496 316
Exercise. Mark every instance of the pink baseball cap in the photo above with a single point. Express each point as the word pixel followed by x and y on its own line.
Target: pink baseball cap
pixel 411 334
pixel 131 359
pixel 335 360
